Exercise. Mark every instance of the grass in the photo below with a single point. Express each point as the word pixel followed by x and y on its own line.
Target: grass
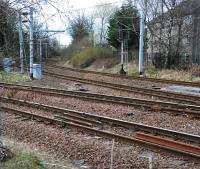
pixel 12 77
pixel 21 160
pixel 171 74
pixel 26 157
pixel 89 55
pixel 150 71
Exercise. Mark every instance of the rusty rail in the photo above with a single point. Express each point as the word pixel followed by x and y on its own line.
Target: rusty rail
pixel 168 142
pixel 102 133
pixel 78 117
pixel 148 104
pixel 98 120
pixel 74 120
pixel 155 80
pixel 192 99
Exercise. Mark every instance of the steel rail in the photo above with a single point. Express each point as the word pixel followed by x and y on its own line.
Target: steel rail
pixel 74 120
pixel 103 133
pixel 127 100
pixel 191 99
pixel 155 80
pixel 148 104
pixel 109 120
pixel 168 142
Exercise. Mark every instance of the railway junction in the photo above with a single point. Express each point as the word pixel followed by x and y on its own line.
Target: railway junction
pixel 96 117
pixel 99 85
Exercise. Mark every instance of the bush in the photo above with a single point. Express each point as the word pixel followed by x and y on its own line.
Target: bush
pixel 194 70
pixel 86 57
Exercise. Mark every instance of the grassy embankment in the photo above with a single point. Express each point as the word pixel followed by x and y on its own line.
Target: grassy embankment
pixel 189 75
pixel 86 57
pixel 83 56
pixel 150 71
pixel 13 77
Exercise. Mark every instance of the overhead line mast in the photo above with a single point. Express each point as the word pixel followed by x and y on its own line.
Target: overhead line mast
pixel 141 48
pixel 31 41
pixel 21 43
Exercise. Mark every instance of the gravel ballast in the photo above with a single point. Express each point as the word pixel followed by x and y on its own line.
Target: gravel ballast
pixel 68 144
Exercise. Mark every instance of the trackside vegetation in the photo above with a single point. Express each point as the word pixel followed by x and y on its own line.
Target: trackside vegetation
pixel 13 77
pixel 86 57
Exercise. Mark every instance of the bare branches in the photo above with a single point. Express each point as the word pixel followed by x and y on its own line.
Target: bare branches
pixel 80 27
pixel 8 22
pixel 166 28
pixel 103 13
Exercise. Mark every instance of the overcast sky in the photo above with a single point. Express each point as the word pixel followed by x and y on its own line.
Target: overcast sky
pixel 55 15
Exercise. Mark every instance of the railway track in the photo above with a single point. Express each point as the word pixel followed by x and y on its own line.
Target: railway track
pixel 99 120
pixel 141 138
pixel 151 105
pixel 154 80
pixel 172 96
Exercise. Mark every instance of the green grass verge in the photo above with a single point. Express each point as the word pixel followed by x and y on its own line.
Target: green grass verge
pixel 12 77
pixel 22 160
pixel 28 157
pixel 88 56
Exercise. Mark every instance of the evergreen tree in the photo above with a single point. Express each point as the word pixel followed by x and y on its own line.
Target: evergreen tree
pixel 127 18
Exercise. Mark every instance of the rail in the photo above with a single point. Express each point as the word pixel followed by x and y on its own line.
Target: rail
pixel 121 138
pixel 155 80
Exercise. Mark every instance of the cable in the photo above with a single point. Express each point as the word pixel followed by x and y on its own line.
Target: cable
pixel 74 10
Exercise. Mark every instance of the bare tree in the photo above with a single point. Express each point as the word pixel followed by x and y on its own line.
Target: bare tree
pixel 103 13
pixel 9 42
pixel 166 30
pixel 80 26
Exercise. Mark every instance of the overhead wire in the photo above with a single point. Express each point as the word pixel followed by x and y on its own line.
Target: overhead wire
pixel 79 9
pixel 61 13
pixel 64 13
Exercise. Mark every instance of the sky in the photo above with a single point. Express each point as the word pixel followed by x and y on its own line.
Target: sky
pixel 55 15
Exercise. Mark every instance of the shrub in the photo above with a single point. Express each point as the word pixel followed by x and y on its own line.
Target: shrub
pixel 194 69
pixel 86 57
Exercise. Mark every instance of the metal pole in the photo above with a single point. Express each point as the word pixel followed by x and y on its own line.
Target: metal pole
pixel 151 162
pixel 122 72
pixel 112 154
pixel 31 41
pixel 46 51
pixel 140 69
pixel 21 43
pixel 122 53
pixel 40 51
